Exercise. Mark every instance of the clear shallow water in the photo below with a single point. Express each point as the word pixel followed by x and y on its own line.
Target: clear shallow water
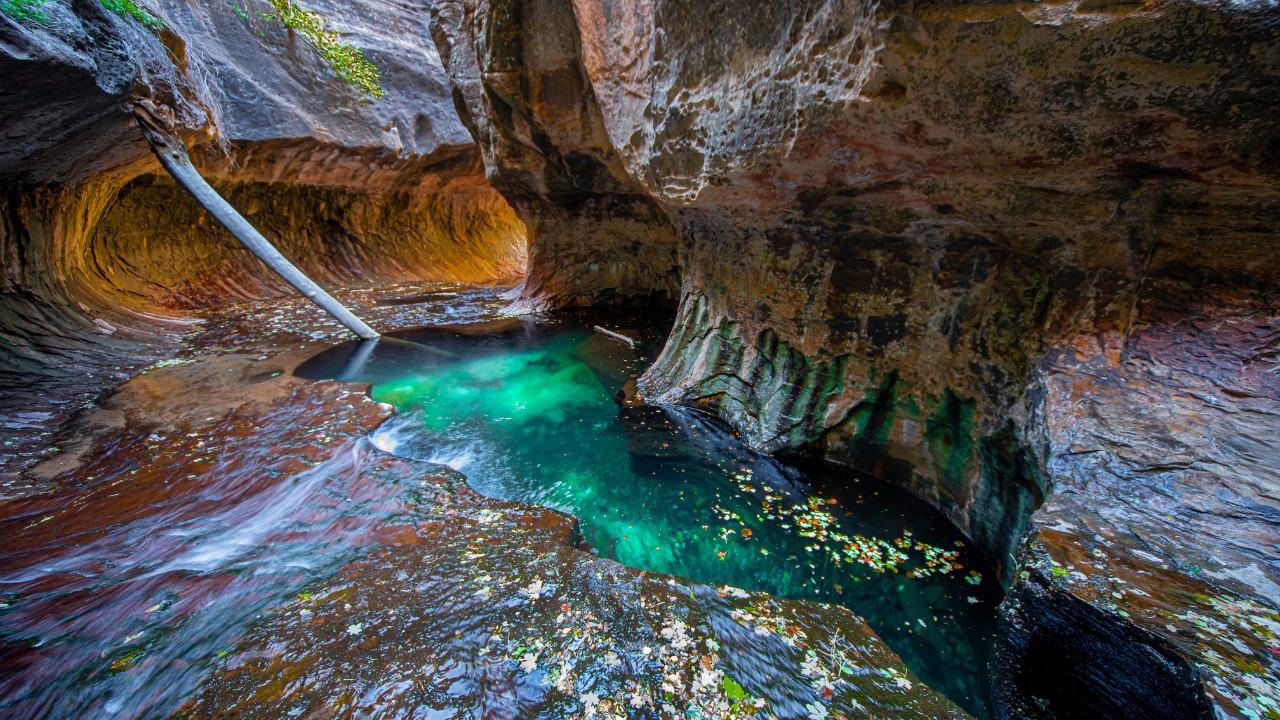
pixel 525 410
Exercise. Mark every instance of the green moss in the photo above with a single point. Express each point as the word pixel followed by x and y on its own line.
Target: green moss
pixel 949 434
pixel 873 420
pixel 1012 487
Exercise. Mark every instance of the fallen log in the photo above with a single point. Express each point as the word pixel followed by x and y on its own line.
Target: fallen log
pixel 173 156
pixel 616 336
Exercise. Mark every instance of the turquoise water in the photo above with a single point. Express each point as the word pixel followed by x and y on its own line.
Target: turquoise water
pixel 526 411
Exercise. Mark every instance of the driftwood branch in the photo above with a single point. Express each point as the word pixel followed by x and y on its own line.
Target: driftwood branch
pixel 616 336
pixel 173 156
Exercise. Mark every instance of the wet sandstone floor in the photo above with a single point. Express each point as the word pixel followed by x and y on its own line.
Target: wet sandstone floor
pixel 223 539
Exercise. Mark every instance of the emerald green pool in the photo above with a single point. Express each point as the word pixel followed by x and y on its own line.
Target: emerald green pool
pixel 525 410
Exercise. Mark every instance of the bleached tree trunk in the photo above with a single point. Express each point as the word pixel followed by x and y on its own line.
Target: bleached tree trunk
pixel 173 156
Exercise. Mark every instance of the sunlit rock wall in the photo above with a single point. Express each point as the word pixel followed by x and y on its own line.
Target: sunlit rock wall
pixel 399 222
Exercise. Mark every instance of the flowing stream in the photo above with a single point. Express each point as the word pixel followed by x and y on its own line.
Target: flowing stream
pixel 116 600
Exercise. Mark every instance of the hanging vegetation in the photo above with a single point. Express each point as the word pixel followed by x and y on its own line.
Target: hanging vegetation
pixel 132 9
pixel 23 10
pixel 347 62
pixel 29 11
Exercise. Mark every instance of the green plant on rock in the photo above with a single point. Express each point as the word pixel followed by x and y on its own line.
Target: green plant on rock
pixel 29 11
pixel 347 62
pixel 131 9
pixel 24 10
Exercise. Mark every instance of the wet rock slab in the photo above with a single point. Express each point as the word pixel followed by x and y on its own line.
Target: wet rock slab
pixel 268 335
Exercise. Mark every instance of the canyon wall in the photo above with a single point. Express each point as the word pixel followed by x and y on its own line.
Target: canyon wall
pixel 994 252
pixel 105 257
pixel 1018 258
pixel 520 87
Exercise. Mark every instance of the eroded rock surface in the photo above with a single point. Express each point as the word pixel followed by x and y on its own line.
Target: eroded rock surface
pixel 1018 258
pixel 484 608
pixel 1167 465
pixel 518 79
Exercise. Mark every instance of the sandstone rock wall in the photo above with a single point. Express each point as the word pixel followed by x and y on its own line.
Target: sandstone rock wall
pixel 519 83
pixel 899 209
pixel 156 245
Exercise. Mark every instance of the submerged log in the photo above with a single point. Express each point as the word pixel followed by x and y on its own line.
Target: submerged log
pixel 173 156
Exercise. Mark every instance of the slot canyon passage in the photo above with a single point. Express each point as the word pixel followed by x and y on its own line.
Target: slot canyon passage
pixel 941 376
